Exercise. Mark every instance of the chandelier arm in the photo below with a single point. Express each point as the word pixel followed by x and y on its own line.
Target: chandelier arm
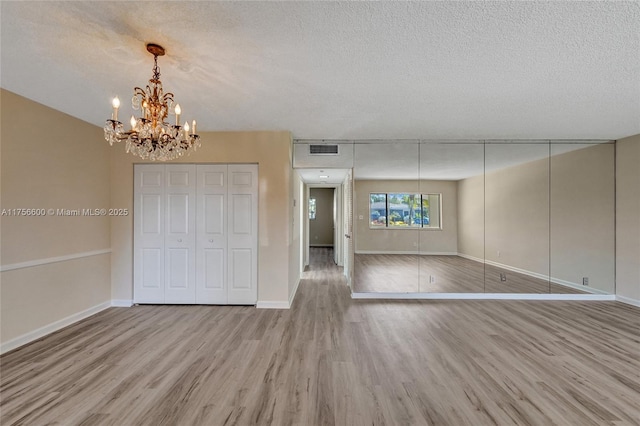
pixel 168 97
pixel 138 91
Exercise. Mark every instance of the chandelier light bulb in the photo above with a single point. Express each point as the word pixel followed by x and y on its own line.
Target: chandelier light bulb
pixel 133 122
pixel 178 110
pixel 116 104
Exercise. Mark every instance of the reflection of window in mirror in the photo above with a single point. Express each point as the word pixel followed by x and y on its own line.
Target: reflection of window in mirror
pixel 431 211
pixel 312 208
pixel 378 210
pixel 404 210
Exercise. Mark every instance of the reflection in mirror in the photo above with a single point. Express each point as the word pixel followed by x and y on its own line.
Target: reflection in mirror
pixel 452 246
pixel 388 215
pixel 494 217
pixel 517 218
pixel 582 218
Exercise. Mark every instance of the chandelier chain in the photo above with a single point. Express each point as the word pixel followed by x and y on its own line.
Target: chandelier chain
pixel 156 68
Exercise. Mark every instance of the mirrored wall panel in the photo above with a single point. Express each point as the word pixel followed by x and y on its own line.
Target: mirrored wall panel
pixel 452 233
pixel 387 203
pixel 582 257
pixel 527 217
pixel 516 218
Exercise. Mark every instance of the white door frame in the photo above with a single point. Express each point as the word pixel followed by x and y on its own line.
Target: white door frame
pixel 338 240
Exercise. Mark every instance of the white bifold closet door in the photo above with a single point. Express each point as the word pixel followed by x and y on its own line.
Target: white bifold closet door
pixel 196 234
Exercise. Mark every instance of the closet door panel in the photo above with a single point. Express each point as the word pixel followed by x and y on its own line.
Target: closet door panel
pixel 211 240
pixel 180 241
pixel 196 234
pixel 148 258
pixel 241 273
pixel 243 234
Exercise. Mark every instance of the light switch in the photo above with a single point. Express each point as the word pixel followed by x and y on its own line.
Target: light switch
pixel 360 217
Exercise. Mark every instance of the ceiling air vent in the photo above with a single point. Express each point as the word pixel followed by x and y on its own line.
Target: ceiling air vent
pixel 323 149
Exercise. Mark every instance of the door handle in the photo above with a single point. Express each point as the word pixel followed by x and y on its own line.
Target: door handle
pixel 347 235
pixel 179 240
pixel 211 240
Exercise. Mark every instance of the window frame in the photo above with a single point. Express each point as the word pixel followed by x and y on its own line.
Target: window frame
pixel 388 226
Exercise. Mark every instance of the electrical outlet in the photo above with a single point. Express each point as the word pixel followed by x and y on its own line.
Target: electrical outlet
pixel 585 280
pixel 360 217
pixel 432 278
pixel 498 253
pixel 503 277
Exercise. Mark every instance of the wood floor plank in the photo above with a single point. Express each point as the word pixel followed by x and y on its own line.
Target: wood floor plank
pixel 331 360
pixel 408 273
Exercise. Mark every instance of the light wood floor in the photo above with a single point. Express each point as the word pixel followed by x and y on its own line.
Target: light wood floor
pixel 405 273
pixel 333 360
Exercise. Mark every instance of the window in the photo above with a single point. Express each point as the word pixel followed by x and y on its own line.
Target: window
pixel 404 210
pixel 378 210
pixel 312 208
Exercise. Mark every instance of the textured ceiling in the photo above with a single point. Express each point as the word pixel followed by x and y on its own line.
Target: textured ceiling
pixel 342 70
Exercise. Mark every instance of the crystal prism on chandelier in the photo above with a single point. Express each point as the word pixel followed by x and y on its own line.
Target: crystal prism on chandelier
pixel 151 137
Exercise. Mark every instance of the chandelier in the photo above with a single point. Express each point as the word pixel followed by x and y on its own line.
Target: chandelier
pixel 151 137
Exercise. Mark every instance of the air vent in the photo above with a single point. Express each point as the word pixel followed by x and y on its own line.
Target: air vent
pixel 323 149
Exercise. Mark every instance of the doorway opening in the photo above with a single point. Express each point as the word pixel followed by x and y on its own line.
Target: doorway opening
pixel 326 222
pixel 322 218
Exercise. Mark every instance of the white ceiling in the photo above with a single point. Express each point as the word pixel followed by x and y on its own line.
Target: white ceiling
pixel 342 70
pixel 333 177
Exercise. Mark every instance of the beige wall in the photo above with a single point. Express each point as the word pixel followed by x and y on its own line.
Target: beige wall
pixel 547 217
pixel 272 152
pixel 628 218
pixel 426 241
pixel 321 228
pixel 517 216
pixel 62 163
pixel 471 217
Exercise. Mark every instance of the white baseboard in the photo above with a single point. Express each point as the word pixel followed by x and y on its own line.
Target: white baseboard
pixel 544 277
pixel 293 294
pixel 483 296
pixel 121 303
pixel 475 259
pixel 268 304
pixel 628 301
pixel 50 328
pixel 421 253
